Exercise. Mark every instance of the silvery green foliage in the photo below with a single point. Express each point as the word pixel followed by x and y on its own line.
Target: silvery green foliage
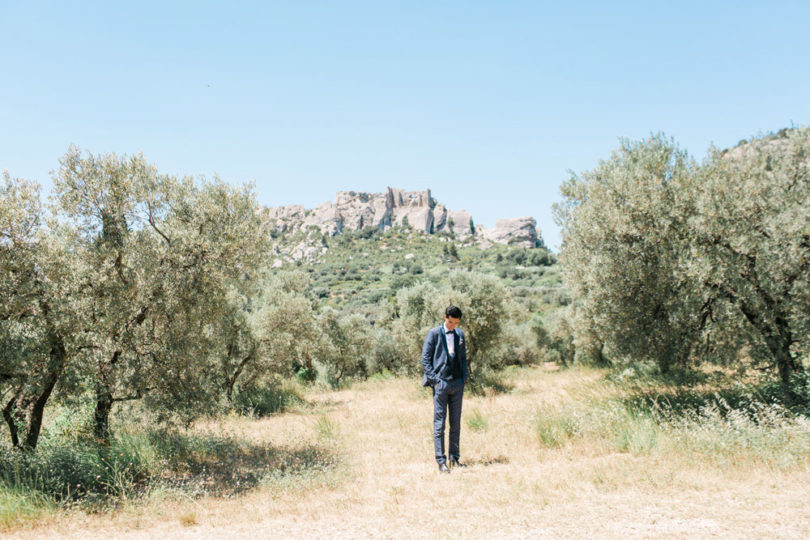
pixel 419 308
pixel 669 260
pixel 556 335
pixel 38 313
pixel 158 254
pixel 345 344
pixel 749 242
pixel 484 303
pixel 20 216
pixel 234 344
pixel 281 322
pixel 622 227
pixel 22 343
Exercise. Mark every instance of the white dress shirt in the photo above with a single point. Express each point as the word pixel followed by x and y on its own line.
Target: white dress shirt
pixel 451 340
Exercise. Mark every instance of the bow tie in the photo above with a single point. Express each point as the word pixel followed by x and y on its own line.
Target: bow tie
pixel 450 332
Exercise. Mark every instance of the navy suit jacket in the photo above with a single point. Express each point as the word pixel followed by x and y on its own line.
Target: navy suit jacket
pixel 435 356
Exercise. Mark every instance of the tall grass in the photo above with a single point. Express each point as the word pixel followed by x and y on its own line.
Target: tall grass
pixel 139 463
pixel 18 505
pixel 722 426
pixel 81 470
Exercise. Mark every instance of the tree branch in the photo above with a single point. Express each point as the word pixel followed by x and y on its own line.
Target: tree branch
pixel 119 268
pixel 154 225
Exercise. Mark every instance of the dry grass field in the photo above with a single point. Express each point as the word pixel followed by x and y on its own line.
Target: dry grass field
pixel 375 476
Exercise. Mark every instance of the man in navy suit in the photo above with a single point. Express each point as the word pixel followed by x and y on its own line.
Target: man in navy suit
pixel 444 362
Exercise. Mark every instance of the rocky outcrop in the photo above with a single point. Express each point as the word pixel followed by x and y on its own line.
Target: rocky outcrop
pixel 521 231
pixel 354 210
pixel 285 216
pixel 460 223
pixel 326 217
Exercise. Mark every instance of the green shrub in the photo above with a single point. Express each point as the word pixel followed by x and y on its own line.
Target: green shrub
pixel 320 292
pixel 269 398
pixel 306 375
pixel 387 357
pixel 488 382
pixel 141 462
pixel 477 422
pixel 554 428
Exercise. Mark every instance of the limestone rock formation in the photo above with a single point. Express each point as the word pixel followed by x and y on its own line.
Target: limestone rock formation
pixel 520 231
pixel 327 218
pixel 284 216
pixel 354 210
pixel 460 223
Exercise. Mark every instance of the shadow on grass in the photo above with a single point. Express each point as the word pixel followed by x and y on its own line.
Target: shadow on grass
pixel 687 394
pixel 643 374
pixel 488 460
pixel 326 404
pixel 488 383
pixel 224 466
pixel 96 476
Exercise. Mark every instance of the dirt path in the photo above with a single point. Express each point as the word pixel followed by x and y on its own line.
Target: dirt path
pixel 388 487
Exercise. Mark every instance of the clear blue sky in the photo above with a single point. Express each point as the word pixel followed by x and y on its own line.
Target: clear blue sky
pixel 489 104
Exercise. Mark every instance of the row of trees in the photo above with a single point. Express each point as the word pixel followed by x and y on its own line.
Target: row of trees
pixel 676 261
pixel 280 329
pixel 109 291
pixel 129 284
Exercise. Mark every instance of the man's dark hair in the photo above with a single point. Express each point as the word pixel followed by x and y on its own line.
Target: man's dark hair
pixel 453 311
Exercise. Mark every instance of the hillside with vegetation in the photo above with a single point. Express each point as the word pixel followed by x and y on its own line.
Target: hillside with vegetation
pixel 365 268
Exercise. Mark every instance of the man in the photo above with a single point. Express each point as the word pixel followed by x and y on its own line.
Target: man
pixel 444 362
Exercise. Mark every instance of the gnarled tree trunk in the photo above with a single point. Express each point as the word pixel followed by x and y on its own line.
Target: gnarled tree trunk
pixel 104 400
pixel 24 412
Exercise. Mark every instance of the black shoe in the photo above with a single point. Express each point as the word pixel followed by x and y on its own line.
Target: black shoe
pixel 454 463
pixel 443 468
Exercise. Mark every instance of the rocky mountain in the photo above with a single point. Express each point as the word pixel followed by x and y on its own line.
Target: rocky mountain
pixel 353 211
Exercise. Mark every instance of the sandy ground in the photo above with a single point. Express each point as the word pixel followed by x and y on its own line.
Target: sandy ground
pixel 387 485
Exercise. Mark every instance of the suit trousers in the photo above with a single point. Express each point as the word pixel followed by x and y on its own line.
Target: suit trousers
pixel 447 396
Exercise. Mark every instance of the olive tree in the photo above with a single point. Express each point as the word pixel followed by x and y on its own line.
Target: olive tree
pixel 268 328
pixel 749 243
pixel 623 225
pixel 345 344
pixel 37 308
pixel 671 260
pixel 158 253
pixel 484 303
